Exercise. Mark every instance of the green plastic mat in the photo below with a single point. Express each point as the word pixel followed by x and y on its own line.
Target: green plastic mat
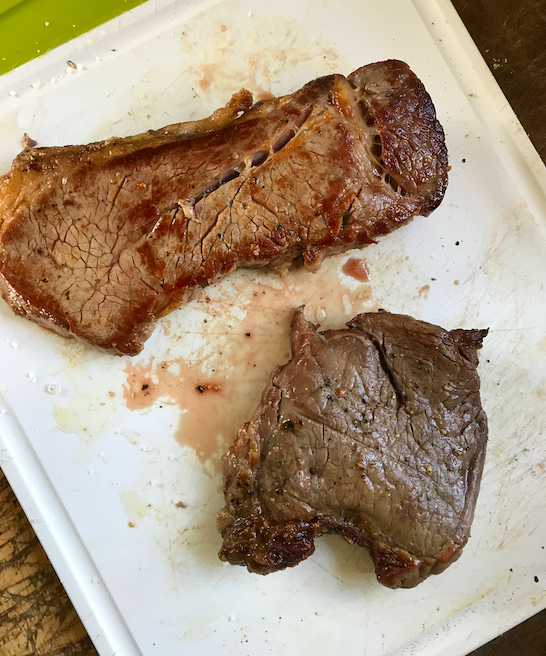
pixel 28 28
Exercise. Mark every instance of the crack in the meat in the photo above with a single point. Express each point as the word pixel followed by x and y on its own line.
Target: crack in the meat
pixel 380 350
pixel 230 205
pixel 376 148
pixel 264 206
pixel 217 182
pixel 315 417
pixel 201 241
pixel 113 202
pixel 214 223
pixel 257 159
pixel 366 113
pixel 346 215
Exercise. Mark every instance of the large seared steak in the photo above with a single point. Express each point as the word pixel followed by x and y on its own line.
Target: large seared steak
pixel 98 241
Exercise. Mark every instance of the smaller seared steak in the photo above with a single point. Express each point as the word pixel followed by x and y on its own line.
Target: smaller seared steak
pixel 375 432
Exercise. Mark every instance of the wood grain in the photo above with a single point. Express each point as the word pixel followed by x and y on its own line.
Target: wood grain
pixel 511 36
pixel 36 616
pixel 527 639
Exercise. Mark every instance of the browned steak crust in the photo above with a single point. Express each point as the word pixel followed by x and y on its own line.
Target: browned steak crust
pixel 376 433
pixel 98 241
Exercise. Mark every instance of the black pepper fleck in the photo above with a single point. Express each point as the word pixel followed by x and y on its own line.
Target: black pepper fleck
pixel 145 387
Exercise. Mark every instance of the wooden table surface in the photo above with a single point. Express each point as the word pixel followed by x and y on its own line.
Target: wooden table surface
pixel 36 616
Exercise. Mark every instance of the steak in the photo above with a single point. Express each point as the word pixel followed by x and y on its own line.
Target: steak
pixel 375 433
pixel 98 241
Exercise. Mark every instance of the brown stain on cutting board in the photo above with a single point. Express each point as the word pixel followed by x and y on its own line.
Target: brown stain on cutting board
pixel 204 422
pixel 356 268
pixel 328 301
pixel 274 45
pixel 423 291
pixel 540 389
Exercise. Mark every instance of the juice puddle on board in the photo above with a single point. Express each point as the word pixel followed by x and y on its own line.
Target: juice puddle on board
pixel 356 268
pixel 204 417
pixel 246 326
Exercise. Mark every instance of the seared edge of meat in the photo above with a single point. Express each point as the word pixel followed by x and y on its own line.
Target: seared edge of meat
pixel 99 241
pixel 267 528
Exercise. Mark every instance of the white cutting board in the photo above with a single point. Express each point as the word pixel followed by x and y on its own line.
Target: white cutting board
pixel 122 484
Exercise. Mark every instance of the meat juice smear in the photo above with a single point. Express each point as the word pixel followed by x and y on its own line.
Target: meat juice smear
pixel 203 400
pixel 356 268
pixel 217 390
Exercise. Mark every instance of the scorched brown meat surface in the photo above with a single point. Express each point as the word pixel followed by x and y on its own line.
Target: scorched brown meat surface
pixel 375 432
pixel 98 241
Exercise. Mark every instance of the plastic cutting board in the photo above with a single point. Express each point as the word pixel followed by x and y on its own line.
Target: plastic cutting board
pixel 122 489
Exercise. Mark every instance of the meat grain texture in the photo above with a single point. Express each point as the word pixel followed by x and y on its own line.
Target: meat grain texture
pixel 99 241
pixel 376 433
